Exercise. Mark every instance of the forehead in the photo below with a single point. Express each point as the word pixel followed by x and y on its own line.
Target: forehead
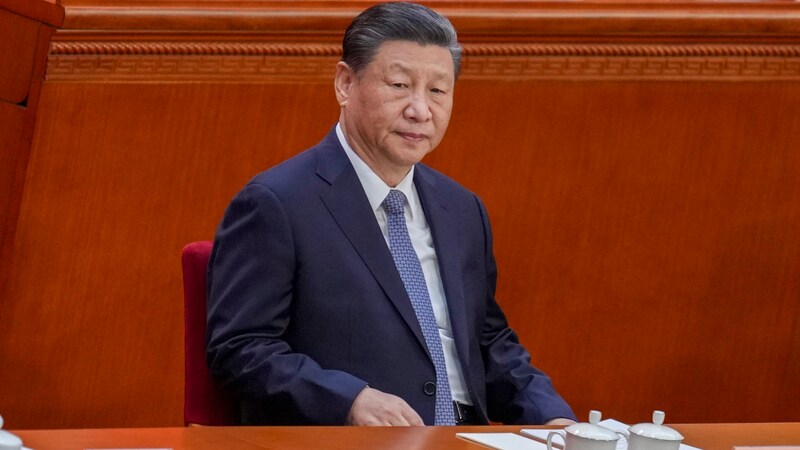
pixel 411 56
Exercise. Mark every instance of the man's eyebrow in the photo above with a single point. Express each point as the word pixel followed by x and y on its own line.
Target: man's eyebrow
pixel 399 65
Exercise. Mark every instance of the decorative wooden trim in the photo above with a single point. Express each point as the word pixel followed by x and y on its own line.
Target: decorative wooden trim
pixel 503 50
pixel 632 50
pixel 180 68
pixel 633 68
pixel 194 48
pixel 633 61
pixel 132 61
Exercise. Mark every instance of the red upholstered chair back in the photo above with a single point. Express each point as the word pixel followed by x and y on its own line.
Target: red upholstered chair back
pixel 204 402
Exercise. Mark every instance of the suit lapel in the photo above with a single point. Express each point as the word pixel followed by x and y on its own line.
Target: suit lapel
pixel 446 242
pixel 348 204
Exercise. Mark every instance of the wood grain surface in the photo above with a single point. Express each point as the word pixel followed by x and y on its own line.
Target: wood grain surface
pixel 639 161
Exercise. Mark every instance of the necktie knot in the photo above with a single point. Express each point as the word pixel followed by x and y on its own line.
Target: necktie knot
pixel 394 202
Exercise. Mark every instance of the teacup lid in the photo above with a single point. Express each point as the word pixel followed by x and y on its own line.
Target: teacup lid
pixel 656 430
pixel 592 430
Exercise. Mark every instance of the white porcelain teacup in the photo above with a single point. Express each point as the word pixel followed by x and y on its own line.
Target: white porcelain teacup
pixel 7 440
pixel 586 436
pixel 653 436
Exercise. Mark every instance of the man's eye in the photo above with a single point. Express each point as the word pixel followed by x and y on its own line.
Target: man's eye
pixel 437 91
pixel 400 85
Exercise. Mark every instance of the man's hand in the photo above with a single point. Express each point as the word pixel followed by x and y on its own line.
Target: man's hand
pixel 375 408
pixel 560 422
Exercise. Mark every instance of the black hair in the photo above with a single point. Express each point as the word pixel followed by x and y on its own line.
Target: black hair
pixel 397 21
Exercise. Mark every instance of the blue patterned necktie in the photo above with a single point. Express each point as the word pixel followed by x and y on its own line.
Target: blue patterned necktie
pixel 407 262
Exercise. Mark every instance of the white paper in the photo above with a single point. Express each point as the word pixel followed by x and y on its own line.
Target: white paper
pixel 503 441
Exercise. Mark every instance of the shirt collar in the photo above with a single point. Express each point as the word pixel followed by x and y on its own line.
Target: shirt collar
pixel 375 188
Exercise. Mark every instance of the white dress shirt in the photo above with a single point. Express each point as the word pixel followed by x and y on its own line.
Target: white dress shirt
pixel 422 240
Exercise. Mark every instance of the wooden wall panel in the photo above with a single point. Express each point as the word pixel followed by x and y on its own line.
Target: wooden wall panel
pixel 650 230
pixel 123 176
pixel 25 31
pixel 24 40
pixel 15 142
pixel 17 52
pixel 639 162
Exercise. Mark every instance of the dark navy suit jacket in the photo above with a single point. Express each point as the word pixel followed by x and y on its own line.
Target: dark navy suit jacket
pixel 306 307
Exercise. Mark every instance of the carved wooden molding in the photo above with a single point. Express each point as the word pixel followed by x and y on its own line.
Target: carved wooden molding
pixel 194 48
pixel 133 61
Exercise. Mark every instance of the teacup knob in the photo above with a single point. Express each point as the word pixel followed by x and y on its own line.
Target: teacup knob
pixel 595 416
pixel 644 433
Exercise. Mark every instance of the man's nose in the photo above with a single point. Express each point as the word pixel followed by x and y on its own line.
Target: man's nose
pixel 418 108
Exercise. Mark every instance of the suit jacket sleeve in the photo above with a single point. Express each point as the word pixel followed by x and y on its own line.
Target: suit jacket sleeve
pixel 249 297
pixel 516 391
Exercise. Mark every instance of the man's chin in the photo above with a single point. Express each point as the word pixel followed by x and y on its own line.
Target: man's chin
pixel 412 154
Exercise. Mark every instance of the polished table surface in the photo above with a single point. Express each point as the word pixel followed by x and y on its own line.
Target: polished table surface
pixel 705 436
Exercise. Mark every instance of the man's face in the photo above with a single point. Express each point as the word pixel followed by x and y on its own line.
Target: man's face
pixel 397 109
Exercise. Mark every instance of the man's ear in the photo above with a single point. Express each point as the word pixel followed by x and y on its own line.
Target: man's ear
pixel 343 82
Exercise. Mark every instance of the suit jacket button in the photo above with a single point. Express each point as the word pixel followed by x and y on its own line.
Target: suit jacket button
pixel 429 388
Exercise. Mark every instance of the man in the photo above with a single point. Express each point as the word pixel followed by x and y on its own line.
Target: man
pixel 353 285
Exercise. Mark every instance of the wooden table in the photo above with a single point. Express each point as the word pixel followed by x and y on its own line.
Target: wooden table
pixel 705 436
